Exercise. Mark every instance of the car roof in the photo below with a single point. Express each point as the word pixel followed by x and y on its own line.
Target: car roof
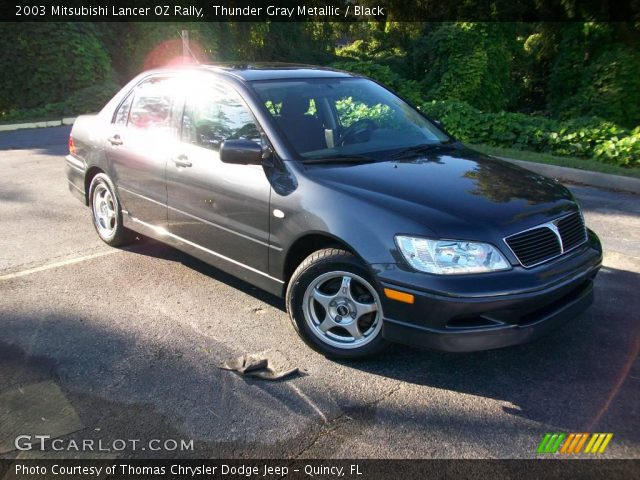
pixel 275 71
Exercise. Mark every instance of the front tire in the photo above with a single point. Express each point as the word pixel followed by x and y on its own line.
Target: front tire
pixel 335 306
pixel 106 212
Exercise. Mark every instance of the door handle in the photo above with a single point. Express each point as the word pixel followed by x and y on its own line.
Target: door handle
pixel 115 140
pixel 182 161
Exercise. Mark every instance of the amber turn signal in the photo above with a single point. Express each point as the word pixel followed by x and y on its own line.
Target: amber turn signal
pixel 399 296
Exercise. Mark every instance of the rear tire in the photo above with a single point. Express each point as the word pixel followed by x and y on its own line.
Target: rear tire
pixel 106 213
pixel 335 306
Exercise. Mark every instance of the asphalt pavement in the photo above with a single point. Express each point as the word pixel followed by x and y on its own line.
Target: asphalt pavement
pixel 125 344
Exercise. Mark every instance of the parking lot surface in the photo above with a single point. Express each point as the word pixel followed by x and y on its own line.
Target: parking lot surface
pixel 126 344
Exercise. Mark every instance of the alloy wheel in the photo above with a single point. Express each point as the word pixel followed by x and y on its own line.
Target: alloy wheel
pixel 104 211
pixel 342 309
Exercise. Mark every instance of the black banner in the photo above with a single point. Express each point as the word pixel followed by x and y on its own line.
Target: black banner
pixel 316 469
pixel 319 10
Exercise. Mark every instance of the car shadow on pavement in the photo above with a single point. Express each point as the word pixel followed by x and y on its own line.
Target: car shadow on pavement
pixel 149 247
pixel 567 379
pixel 132 377
pixel 125 383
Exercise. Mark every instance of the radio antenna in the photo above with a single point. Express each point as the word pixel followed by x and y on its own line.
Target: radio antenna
pixel 186 49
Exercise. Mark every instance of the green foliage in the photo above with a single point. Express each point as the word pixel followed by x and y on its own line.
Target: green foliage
pixel 532 64
pixel 622 151
pixel 372 48
pixel 86 100
pixel 595 74
pixel 409 89
pixel 469 62
pixel 310 42
pixel 46 63
pixel 351 111
pixel 381 73
pixel 152 45
pixel 566 69
pixel 582 137
pixel 92 98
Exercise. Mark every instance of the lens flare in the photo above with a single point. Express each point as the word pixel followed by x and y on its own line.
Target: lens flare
pixel 169 53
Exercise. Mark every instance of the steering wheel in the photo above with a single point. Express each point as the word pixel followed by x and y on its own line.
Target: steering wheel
pixel 356 128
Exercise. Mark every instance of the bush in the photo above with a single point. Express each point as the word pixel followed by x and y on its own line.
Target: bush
pixel 471 62
pixel 409 89
pixel 92 98
pixel 623 151
pixel 589 137
pixel 595 75
pixel 87 100
pixel 47 63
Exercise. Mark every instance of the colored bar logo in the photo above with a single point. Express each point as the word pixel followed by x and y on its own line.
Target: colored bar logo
pixel 573 443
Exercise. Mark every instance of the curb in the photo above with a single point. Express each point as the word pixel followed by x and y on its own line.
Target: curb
pixel 574 175
pixel 41 124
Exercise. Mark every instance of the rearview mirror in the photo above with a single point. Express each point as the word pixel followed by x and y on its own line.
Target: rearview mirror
pixel 241 152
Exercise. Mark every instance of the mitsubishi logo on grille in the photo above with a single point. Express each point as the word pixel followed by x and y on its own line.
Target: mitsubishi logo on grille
pixel 553 226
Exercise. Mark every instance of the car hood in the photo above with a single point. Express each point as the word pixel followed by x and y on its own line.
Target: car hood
pixel 453 190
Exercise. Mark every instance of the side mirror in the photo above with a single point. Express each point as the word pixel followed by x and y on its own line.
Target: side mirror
pixel 241 152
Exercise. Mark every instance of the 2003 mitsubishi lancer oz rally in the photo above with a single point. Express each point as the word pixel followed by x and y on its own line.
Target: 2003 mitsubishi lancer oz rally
pixel 328 189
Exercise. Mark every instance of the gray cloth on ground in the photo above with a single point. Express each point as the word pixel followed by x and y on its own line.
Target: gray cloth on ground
pixel 269 365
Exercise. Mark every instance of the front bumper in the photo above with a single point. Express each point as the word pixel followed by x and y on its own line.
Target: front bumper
pixel 481 312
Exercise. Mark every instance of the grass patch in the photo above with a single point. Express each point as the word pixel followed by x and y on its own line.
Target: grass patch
pixel 572 162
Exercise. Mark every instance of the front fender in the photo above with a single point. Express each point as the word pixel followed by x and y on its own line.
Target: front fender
pixel 312 208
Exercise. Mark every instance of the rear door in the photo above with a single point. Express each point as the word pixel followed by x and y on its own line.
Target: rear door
pixel 220 207
pixel 142 133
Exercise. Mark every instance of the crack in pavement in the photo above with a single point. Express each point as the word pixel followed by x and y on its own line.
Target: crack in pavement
pixel 345 419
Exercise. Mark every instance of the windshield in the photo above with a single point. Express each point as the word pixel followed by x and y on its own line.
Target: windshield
pixel 343 117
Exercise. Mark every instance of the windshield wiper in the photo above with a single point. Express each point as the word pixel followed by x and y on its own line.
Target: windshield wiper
pixel 339 159
pixel 417 149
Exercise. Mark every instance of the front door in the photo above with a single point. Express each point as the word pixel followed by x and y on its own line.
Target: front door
pixel 222 208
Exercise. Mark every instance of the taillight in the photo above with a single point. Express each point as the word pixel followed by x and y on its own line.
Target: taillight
pixel 72 147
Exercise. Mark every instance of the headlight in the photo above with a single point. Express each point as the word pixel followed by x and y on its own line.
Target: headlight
pixel 450 257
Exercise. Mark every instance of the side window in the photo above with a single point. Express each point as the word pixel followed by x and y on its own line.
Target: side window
pixel 212 115
pixel 122 115
pixel 151 106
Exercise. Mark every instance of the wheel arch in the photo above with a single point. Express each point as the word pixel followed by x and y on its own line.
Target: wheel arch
pixel 88 178
pixel 308 243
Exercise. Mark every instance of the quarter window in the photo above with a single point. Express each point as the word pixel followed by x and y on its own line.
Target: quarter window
pixel 122 115
pixel 212 115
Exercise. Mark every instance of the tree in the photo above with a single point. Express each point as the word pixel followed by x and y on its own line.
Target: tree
pixel 44 63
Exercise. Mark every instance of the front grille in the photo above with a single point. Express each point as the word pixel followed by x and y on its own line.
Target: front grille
pixel 550 240
pixel 535 246
pixel 572 231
